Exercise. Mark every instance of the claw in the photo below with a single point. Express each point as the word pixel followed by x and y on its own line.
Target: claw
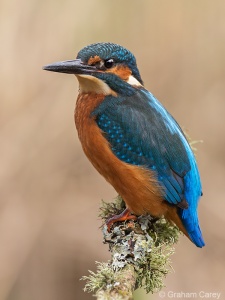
pixel 125 215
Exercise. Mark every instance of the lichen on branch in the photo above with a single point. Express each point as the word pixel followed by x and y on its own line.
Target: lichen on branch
pixel 140 255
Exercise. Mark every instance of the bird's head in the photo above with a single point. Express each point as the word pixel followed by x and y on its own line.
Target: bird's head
pixel 102 68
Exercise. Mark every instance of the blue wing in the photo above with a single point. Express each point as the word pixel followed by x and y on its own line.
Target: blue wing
pixel 142 132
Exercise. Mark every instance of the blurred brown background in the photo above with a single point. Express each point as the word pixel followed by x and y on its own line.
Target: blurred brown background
pixel 50 194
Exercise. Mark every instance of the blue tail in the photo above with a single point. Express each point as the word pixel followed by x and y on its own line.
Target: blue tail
pixel 191 224
pixel 192 194
pixel 197 238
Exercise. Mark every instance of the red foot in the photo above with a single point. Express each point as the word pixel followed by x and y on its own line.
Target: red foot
pixel 125 215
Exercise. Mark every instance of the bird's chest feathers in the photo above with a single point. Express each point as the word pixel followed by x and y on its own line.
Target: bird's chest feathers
pixel 86 103
pixel 93 142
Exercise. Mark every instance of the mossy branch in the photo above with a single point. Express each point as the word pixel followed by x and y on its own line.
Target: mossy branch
pixel 140 255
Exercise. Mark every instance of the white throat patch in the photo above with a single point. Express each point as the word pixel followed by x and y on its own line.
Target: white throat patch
pixel 91 84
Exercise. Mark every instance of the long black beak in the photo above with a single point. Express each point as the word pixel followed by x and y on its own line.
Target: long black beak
pixel 75 66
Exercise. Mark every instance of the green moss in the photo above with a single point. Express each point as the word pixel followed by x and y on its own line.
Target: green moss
pixel 107 210
pixel 103 279
pixel 153 268
pixel 163 232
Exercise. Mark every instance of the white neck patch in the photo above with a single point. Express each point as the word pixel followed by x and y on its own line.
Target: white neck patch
pixel 133 81
pixel 91 84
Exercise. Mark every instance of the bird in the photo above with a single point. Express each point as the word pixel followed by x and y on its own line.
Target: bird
pixel 132 140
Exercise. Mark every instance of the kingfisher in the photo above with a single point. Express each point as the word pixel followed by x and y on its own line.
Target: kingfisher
pixel 132 140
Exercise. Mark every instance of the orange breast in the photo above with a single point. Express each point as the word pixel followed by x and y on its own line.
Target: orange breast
pixel 137 186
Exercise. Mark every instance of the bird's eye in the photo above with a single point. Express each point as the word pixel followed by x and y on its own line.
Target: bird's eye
pixel 109 63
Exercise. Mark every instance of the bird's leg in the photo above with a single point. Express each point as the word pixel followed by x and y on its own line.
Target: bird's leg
pixel 125 215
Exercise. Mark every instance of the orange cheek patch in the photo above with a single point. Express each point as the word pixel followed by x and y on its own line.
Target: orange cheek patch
pixel 122 71
pixel 93 60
